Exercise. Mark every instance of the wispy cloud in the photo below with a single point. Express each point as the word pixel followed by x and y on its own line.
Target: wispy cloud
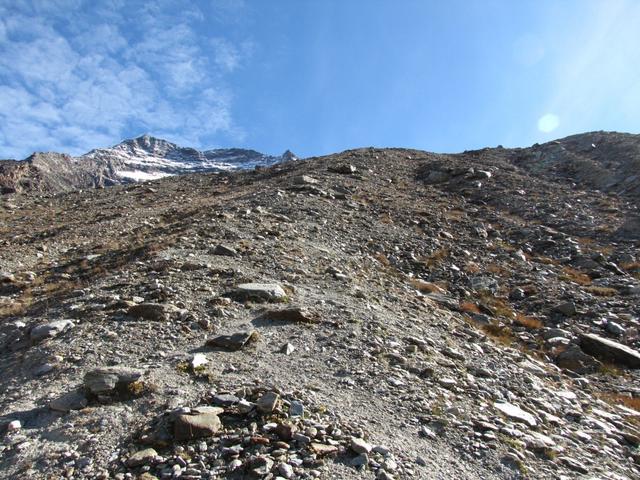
pixel 74 75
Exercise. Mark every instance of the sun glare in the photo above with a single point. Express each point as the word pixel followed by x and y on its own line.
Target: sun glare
pixel 548 122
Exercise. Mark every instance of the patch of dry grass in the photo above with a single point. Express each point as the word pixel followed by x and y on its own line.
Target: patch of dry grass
pixel 426 287
pixel 528 322
pixel 576 276
pixel 498 332
pixel 601 291
pixel 620 399
pixel 469 307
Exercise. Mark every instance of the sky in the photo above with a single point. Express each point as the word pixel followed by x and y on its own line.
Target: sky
pixel 315 76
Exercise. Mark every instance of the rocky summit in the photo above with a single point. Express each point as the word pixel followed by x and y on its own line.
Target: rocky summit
pixel 135 160
pixel 374 314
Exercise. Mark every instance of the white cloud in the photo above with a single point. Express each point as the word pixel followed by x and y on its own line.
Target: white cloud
pixel 73 86
pixel 226 54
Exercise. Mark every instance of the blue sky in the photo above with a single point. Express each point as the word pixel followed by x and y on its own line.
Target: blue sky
pixel 315 76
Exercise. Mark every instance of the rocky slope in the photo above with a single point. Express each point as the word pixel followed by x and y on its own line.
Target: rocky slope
pixel 140 159
pixel 378 313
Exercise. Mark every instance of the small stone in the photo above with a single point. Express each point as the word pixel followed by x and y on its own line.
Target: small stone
pixel 14 425
pixel 358 445
pixel 615 329
pixel 142 457
pixel 267 402
pixel 286 470
pixel 287 349
pixel 285 431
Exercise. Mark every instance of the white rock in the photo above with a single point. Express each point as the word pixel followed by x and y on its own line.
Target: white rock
pixel 516 413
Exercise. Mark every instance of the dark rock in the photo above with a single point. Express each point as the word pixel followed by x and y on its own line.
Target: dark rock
pixel 291 314
pixel 233 342
pixel 223 250
pixel 574 359
pixel 344 169
pixel 568 309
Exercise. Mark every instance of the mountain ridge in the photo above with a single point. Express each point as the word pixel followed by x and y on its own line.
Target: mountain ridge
pixel 132 160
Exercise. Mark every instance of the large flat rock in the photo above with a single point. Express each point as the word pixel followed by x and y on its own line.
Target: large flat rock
pixel 609 350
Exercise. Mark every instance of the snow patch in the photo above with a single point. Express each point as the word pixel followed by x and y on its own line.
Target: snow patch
pixel 142 176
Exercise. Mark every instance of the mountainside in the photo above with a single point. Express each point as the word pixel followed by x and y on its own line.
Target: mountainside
pixel 140 159
pixel 374 314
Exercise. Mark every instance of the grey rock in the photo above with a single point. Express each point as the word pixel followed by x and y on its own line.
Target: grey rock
pixel 49 330
pixel 615 329
pixel 225 400
pixel 359 445
pixel 69 401
pixel 287 348
pixel 516 413
pixel 362 460
pixel 268 292
pixel 267 403
pixel 107 379
pixel 609 350
pixel 568 309
pixel 260 465
pixel 142 457
pixel 296 409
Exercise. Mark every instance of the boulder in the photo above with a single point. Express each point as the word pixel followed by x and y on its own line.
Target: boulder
pixel 608 350
pixel 106 380
pixel 188 426
pixel 574 359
